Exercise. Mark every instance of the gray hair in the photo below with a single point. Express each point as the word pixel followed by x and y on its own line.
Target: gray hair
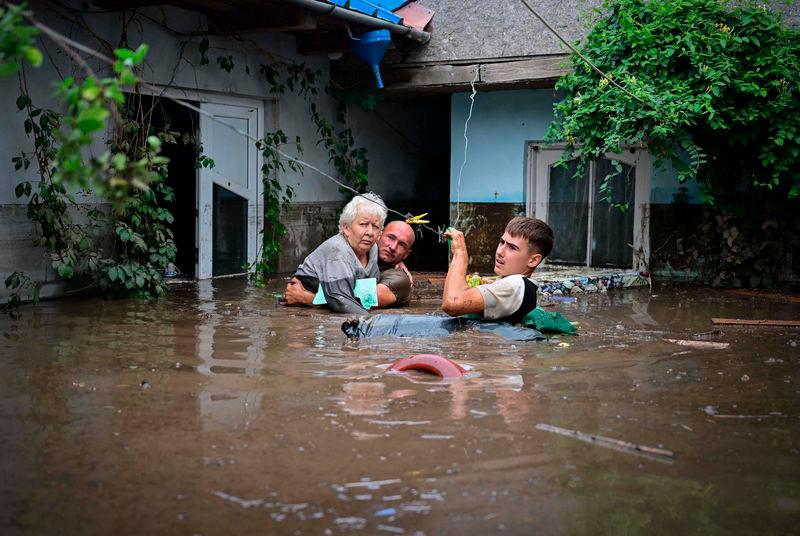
pixel 369 203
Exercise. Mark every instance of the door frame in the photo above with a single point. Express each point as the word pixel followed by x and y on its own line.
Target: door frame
pixel 540 156
pixel 210 97
pixel 208 177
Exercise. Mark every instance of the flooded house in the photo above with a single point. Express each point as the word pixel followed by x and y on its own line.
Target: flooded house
pixel 215 410
pixel 219 58
pixel 457 129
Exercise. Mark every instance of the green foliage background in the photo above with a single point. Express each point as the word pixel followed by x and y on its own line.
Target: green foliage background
pixel 717 96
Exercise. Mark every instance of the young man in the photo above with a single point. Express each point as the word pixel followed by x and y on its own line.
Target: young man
pixel 394 285
pixel 524 244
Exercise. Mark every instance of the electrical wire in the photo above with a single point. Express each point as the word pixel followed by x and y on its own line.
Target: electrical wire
pixel 580 55
pixel 65 41
pixel 466 146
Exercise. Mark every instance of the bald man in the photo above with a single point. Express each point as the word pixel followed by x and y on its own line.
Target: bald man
pixel 394 285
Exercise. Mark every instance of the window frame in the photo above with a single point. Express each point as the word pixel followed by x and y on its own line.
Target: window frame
pixel 541 156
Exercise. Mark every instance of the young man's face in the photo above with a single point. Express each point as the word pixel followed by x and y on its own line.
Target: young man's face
pixel 514 256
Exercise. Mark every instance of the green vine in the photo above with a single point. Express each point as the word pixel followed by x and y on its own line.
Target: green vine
pixel 350 162
pixel 120 250
pixel 716 95
pixel 276 199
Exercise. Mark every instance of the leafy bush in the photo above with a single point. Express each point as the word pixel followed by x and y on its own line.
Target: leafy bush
pixel 712 80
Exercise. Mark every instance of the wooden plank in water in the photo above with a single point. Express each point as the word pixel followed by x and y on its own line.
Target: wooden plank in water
pixel 749 322
pixel 606 441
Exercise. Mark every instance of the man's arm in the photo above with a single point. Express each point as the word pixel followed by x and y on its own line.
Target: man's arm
pixel 297 295
pixel 459 298
pixel 386 297
pixel 394 288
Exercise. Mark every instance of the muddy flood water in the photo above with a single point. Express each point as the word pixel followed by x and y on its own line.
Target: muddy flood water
pixel 214 411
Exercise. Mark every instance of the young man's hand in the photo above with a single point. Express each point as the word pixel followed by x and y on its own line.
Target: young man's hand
pixel 296 293
pixel 458 245
pixel 458 298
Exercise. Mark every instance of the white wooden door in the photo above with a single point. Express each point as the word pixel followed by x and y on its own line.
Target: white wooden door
pixel 232 182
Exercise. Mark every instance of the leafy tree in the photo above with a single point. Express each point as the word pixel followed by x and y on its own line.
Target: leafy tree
pixel 713 91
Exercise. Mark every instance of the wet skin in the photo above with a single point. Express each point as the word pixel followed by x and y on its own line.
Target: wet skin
pixel 515 256
pixel 395 242
pixel 394 246
pixel 362 233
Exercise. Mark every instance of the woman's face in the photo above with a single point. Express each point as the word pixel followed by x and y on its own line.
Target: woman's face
pixel 363 232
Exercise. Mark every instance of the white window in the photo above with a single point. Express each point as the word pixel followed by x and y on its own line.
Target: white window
pixel 590 229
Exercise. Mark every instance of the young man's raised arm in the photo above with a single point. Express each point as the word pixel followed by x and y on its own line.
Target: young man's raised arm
pixel 458 297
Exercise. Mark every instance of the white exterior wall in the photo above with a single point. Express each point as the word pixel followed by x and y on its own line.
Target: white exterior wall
pixel 166 66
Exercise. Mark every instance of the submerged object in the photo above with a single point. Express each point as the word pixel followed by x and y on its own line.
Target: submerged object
pixel 370 47
pixel 435 364
pixel 549 322
pixel 432 326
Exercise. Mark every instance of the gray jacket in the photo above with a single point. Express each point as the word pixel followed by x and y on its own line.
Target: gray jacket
pixel 335 266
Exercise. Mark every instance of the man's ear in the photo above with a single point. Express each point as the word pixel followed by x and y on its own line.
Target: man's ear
pixel 534 260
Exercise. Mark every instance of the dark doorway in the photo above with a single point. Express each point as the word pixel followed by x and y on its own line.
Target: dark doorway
pixel 431 188
pixel 181 147
pixel 229 237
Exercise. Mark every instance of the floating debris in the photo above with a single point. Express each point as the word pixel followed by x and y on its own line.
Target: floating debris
pixel 616 444
pixel 706 345
pixel 393 530
pixel 350 523
pixel 244 503
pixel 397 423
pixel 432 496
pixel 372 484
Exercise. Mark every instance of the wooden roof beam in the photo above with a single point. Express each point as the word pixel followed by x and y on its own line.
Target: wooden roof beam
pixel 539 71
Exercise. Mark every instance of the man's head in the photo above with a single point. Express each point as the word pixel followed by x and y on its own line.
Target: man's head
pixel 524 244
pixel 395 242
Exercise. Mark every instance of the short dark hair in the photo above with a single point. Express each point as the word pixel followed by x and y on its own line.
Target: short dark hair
pixel 538 234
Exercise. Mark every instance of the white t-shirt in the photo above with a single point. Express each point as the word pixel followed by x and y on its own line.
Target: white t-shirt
pixel 504 297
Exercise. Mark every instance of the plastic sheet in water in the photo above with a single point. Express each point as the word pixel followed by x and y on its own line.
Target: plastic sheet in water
pixel 384 325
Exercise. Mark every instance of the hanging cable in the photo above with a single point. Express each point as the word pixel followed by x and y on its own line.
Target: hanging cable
pixel 466 146
pixel 580 55
pixel 66 42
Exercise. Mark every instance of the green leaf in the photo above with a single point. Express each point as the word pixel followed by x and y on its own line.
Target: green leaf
pixel 23 101
pixel 91 119
pixel 124 53
pixel 140 53
pixel 33 55
pixel 65 271
pixel 90 92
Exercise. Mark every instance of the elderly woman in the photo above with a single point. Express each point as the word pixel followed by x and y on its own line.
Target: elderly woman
pixel 341 260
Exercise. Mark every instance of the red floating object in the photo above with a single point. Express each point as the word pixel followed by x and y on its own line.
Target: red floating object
pixel 435 364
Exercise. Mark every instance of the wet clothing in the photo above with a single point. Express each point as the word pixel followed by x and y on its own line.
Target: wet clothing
pixel 405 325
pixel 398 282
pixel 335 267
pixel 509 299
